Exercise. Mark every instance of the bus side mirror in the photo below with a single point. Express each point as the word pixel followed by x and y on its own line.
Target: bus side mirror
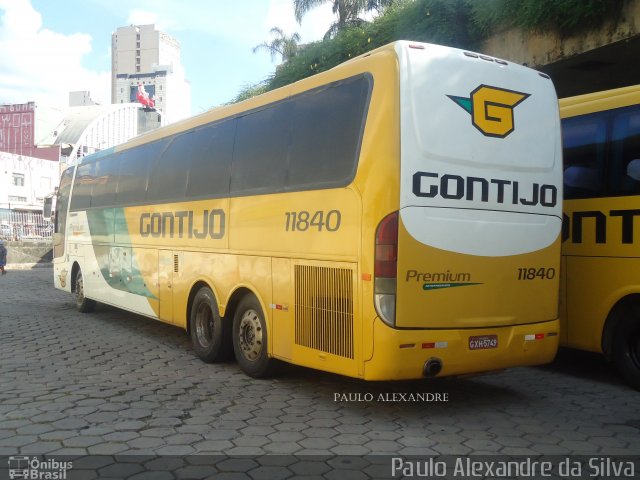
pixel 47 212
pixel 633 169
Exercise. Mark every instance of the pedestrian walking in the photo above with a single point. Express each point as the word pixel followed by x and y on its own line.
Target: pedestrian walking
pixel 3 257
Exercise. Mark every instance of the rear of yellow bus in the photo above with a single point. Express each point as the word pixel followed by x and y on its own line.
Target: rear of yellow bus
pixel 467 269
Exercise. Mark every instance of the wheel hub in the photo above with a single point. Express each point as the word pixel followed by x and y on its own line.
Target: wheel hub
pixel 250 335
pixel 204 326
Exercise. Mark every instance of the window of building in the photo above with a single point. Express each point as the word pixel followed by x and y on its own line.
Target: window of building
pixel 18 179
pixel 13 198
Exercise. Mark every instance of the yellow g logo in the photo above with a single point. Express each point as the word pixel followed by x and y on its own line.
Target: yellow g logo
pixel 491 109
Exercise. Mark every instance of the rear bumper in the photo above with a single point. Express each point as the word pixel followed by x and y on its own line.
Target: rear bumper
pixel 402 354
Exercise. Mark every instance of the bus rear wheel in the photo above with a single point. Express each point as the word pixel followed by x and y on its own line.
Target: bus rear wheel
pixel 250 340
pixel 626 347
pixel 83 304
pixel 210 335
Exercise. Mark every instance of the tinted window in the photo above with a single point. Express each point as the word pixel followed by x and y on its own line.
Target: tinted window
pixel 260 153
pixel 134 172
pixel 327 129
pixel 82 187
pixel 624 171
pixel 211 161
pixel 105 182
pixel 168 178
pixel 584 141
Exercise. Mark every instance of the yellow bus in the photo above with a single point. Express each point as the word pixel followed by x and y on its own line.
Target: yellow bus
pixel 396 217
pixel 601 289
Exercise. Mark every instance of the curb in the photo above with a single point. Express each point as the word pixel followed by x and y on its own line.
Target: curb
pixel 27 266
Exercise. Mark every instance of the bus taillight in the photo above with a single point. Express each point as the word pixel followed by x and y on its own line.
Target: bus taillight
pixel 386 268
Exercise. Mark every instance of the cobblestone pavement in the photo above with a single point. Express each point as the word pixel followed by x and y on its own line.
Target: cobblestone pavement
pixel 111 383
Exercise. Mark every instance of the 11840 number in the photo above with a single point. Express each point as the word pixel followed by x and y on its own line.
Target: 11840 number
pixel 536 273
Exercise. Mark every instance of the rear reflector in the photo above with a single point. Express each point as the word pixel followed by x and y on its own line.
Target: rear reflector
pixel 534 336
pixel 435 345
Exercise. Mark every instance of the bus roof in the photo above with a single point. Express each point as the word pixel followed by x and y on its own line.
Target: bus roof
pixel 236 108
pixel 599 101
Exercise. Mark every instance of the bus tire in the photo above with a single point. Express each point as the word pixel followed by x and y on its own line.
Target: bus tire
pixel 250 341
pixel 210 335
pixel 83 304
pixel 626 347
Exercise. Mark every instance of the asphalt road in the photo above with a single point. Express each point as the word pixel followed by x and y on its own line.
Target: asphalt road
pixel 114 383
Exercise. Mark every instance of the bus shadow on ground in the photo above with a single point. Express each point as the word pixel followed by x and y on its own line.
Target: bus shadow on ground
pixel 584 365
pixel 349 392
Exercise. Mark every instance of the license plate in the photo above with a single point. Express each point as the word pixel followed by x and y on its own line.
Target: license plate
pixel 483 342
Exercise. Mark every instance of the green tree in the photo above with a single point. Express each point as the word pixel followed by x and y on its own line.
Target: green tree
pixel 285 46
pixel 348 11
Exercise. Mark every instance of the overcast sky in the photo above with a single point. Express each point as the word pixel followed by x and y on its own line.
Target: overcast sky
pixel 49 48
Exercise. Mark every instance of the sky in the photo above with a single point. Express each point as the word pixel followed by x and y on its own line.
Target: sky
pixel 49 48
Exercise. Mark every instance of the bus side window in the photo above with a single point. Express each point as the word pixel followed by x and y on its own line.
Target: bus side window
pixel 210 166
pixel 168 174
pixel 624 176
pixel 260 152
pixel 327 129
pixel 82 187
pixel 103 193
pixel 584 141
pixel 133 175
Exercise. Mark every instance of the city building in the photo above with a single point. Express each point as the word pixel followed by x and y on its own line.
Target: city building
pixel 144 56
pixel 87 129
pixel 37 143
pixel 25 181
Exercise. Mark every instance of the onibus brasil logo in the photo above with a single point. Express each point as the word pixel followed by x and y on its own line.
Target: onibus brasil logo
pixel 33 468
pixel 491 109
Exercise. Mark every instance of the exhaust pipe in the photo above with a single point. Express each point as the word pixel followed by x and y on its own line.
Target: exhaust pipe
pixel 432 367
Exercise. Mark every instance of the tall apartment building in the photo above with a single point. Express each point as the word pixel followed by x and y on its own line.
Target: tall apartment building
pixel 140 54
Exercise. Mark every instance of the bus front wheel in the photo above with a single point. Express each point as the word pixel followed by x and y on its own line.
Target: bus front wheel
pixel 209 333
pixel 83 304
pixel 626 347
pixel 250 340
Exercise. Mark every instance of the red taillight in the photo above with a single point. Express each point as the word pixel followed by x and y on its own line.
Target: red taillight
pixel 386 268
pixel 386 261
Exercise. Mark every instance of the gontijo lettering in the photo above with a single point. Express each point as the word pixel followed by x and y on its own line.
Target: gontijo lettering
pixel 457 187
pixel 211 224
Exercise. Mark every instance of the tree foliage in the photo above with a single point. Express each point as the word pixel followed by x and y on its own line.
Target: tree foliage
pixel 456 23
pixel 566 16
pixel 347 11
pixel 283 45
